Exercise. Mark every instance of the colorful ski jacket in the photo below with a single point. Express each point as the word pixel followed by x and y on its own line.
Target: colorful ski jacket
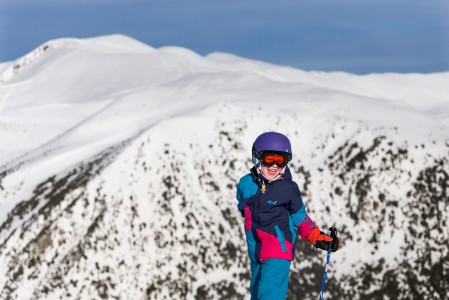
pixel 271 215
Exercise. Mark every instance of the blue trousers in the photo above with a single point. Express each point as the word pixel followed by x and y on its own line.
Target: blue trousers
pixel 269 280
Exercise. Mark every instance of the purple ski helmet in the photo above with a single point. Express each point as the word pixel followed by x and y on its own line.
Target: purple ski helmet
pixel 271 141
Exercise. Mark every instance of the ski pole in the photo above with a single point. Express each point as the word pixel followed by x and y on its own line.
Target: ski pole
pixel 323 282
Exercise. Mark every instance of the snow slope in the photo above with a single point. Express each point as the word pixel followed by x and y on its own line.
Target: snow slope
pixel 119 163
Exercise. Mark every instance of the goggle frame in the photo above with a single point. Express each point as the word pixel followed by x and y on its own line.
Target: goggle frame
pixel 273 158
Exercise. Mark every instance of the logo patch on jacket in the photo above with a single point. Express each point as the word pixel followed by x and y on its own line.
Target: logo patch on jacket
pixel 272 202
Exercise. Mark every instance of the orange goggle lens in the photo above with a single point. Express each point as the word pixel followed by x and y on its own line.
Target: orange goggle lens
pixel 270 159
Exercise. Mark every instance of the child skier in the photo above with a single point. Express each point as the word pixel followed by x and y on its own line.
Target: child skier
pixel 272 207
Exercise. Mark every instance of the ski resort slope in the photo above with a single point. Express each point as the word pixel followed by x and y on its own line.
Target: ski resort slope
pixel 148 126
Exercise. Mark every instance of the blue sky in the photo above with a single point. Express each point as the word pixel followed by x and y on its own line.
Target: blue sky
pixel 347 35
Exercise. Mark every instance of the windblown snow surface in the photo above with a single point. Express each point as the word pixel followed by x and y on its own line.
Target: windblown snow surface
pixel 119 163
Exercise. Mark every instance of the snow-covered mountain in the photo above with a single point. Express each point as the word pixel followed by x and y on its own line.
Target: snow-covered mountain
pixel 119 163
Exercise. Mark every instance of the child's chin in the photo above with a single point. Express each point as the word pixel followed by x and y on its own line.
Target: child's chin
pixel 271 177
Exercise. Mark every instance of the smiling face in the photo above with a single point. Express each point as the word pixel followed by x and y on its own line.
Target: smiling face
pixel 270 173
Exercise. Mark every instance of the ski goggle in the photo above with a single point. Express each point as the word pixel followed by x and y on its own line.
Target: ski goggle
pixel 270 158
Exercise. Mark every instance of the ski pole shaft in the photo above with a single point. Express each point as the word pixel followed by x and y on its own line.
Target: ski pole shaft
pixel 323 281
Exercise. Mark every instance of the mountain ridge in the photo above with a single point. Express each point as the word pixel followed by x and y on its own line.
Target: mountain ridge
pixel 134 194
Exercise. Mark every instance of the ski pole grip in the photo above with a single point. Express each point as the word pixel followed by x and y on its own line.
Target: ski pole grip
pixel 333 231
